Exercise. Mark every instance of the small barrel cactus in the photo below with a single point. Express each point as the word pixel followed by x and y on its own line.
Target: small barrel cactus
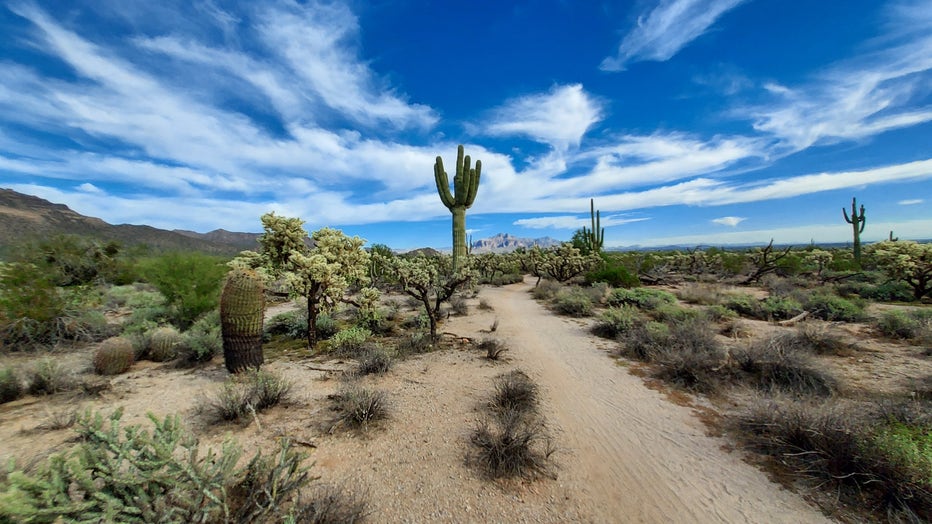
pixel 114 356
pixel 164 344
pixel 242 308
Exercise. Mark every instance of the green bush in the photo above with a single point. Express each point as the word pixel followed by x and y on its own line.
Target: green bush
pixel 573 302
pixel 546 289
pixel 744 305
pixel 640 297
pixel 909 325
pixel 614 275
pixel 780 307
pixel 134 475
pixel 30 306
pixel 645 341
pixel 291 324
pixel 831 307
pixel 671 313
pixel 190 283
pixel 719 313
pixel 11 388
pixel 616 321
pixel 114 356
pixel 349 342
pixel 203 340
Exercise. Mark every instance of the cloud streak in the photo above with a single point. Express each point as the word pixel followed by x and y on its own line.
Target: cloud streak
pixel 668 28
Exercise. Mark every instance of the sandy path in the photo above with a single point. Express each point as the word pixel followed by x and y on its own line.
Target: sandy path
pixel 635 456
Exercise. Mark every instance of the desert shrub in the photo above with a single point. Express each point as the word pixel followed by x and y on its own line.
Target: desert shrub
pixel 597 292
pixel 30 305
pixel 459 305
pixel 515 392
pixel 691 357
pixel 329 504
pixel 494 348
pixel 832 307
pixel 374 360
pixel 134 475
pixel 50 376
pixel 744 305
pixel 114 356
pixel 644 341
pixel 892 291
pixel 546 289
pixel 241 395
pixel 701 294
pixel 190 283
pixel 203 340
pixel 291 324
pixel 616 321
pixel 616 276
pixel 573 302
pixel 776 307
pixel 899 456
pixel 358 407
pixel 640 297
pixel 910 325
pixel 413 344
pixel 484 305
pixel 737 328
pixel 513 445
pixel 672 313
pixel 349 342
pixel 817 338
pixel 719 313
pixel 507 278
pixel 165 343
pixel 11 388
pixel 777 364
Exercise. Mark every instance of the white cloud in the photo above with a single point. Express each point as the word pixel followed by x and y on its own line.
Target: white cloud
pixel 669 27
pixel 559 118
pixel 729 221
pixel 89 188
pixel 911 202
pixel 573 222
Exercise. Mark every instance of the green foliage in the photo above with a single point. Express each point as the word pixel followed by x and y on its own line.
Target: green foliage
pixel 203 339
pixel 615 275
pixel 573 302
pixel 780 307
pixel 133 475
pixel 616 321
pixel 190 283
pixel 293 324
pixel 833 307
pixel 30 305
pixel 640 297
pixel 908 450
pixel 564 262
pixel 114 356
pixel 72 260
pixel 11 388
pixel 910 325
pixel 744 305
pixel 906 261
pixel 349 341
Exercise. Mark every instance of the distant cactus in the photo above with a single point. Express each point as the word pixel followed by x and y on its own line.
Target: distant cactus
pixel 857 221
pixel 465 186
pixel 242 307
pixel 892 238
pixel 164 344
pixel 595 237
pixel 114 356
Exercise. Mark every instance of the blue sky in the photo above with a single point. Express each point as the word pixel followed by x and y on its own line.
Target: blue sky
pixel 688 121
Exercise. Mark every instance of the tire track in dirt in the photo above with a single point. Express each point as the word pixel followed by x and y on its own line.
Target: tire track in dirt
pixel 634 456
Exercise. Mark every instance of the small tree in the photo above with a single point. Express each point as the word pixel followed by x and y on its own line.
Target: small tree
pixel 907 261
pixel 430 279
pixel 765 261
pixel 566 262
pixel 190 283
pixel 322 274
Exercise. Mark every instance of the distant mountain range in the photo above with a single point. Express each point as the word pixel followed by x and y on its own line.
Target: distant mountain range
pixel 24 217
pixel 505 243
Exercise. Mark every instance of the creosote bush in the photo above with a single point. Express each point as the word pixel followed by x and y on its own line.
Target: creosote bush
pixel 573 302
pixel 546 289
pixel 616 321
pixel 11 388
pixel 832 307
pixel 114 356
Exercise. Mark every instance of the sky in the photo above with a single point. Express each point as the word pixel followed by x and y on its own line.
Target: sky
pixel 687 121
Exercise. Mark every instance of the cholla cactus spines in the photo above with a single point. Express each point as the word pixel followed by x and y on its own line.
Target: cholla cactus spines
pixel 595 237
pixel 857 221
pixel 242 309
pixel 465 186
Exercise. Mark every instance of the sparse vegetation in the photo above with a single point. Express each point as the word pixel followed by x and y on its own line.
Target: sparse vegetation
pixel 573 302
pixel 374 360
pixel 359 407
pixel 245 394
pixel 494 348
pixel 777 364
pixel 50 376
pixel 11 387
pixel 616 321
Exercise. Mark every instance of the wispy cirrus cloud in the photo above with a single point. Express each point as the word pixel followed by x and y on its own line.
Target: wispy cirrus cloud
pixel 911 202
pixel 574 222
pixel 559 117
pixel 669 27
pixel 729 221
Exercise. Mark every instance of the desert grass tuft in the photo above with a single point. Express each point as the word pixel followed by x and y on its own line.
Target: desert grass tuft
pixel 494 348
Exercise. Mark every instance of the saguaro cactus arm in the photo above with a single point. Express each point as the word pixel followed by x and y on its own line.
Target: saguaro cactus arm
pixel 443 184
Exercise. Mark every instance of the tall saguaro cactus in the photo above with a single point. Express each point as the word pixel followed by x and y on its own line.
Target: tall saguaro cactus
pixel 857 221
pixel 465 186
pixel 596 236
pixel 242 307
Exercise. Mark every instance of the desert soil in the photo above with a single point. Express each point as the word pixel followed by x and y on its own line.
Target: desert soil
pixel 625 452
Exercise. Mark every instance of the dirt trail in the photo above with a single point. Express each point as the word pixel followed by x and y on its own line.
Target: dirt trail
pixel 636 456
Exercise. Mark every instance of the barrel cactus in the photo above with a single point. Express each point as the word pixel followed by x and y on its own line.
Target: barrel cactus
pixel 242 307
pixel 164 344
pixel 114 356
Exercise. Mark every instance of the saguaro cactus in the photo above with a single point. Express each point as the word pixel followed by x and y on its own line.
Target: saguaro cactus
pixel 465 185
pixel 857 221
pixel 596 236
pixel 242 307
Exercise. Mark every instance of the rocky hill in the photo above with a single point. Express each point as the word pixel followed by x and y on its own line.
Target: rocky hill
pixel 504 243
pixel 23 217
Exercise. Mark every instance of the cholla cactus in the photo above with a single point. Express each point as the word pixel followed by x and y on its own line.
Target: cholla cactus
pixel 566 262
pixel 907 261
pixel 321 274
pixel 242 310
